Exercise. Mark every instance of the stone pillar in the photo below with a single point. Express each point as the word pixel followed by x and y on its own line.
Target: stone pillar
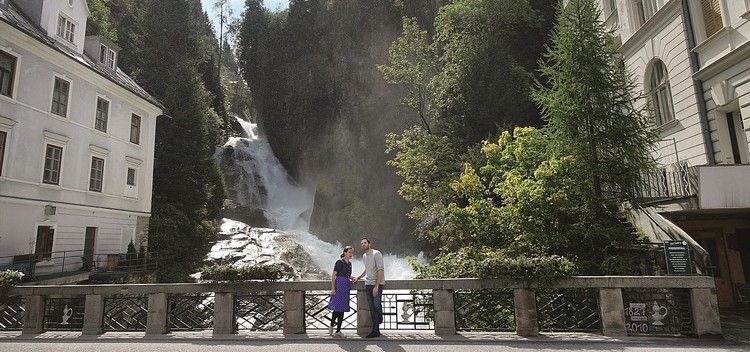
pixel 93 315
pixel 364 321
pixel 612 311
pixel 445 317
pixel 224 313
pixel 705 309
pixel 158 308
pixel 33 319
pixel 524 301
pixel 294 312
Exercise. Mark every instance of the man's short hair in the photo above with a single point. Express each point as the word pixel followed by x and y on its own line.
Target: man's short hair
pixel 366 239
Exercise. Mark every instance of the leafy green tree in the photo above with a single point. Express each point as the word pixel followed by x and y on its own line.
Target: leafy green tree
pixel 98 21
pixel 481 87
pixel 412 64
pixel 589 107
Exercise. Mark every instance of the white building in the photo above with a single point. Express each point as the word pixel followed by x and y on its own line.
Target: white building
pixel 76 140
pixel 692 59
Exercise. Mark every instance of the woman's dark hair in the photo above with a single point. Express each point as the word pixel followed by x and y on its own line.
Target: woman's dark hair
pixel 345 250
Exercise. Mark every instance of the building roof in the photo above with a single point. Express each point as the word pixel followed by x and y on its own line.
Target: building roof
pixel 12 15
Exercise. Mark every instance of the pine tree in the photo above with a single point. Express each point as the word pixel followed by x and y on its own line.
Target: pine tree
pixel 588 104
pixel 188 188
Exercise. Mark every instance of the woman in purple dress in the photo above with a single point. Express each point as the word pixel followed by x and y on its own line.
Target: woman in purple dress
pixel 340 286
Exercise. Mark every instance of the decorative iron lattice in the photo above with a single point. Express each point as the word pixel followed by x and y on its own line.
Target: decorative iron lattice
pixel 125 313
pixel 64 313
pixel 408 310
pixel 484 310
pixel 653 311
pixel 568 310
pixel 191 312
pixel 259 312
pixel 11 313
pixel 318 317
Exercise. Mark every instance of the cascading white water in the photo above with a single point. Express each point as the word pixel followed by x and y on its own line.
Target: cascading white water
pixel 260 182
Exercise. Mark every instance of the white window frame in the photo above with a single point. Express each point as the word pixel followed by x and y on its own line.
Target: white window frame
pixel 68 32
pixel 103 154
pixel 140 128
pixel 6 126
pixel 60 168
pixel 135 176
pixel 57 140
pixel 16 76
pixel 647 8
pixel 132 163
pixel 96 112
pixel 107 56
pixel 652 91
pixel 65 78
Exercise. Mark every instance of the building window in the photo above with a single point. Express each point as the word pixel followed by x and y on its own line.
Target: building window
pixel 7 73
pixel 609 7
pixel 107 56
pixel 97 174
pixel 660 94
pixel 52 161
pixel 135 129
pixel 65 28
pixel 644 10
pixel 102 112
pixel 60 97
pixel 711 16
pixel 131 176
pixel 3 137
pixel 45 236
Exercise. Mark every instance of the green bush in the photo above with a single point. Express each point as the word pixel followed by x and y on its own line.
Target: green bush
pixel 10 278
pixel 227 272
pixel 619 265
pixel 540 268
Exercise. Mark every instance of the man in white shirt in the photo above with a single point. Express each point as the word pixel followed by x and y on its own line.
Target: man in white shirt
pixel 374 283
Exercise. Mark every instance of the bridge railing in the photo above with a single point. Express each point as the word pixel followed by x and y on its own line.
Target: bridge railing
pixel 612 305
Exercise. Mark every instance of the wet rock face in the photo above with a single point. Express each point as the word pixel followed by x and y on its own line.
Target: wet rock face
pixel 252 216
pixel 243 182
pixel 242 245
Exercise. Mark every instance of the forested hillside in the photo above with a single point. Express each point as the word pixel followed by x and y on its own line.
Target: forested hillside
pixel 326 109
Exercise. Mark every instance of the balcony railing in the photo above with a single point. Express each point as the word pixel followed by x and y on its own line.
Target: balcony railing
pixel 669 183
pixel 60 263
pixel 612 305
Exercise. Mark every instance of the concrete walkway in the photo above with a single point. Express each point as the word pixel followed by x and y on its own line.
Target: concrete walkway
pixel 319 341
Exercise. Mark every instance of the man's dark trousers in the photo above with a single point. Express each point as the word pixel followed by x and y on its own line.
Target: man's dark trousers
pixel 376 306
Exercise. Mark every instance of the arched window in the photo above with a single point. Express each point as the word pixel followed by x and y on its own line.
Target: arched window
pixel 659 94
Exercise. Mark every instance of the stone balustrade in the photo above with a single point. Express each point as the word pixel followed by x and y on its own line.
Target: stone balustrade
pixel 610 313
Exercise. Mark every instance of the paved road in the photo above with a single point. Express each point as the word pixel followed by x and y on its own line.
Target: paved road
pixel 359 345
pixel 394 342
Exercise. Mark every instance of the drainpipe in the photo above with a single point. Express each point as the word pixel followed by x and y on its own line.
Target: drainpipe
pixel 698 84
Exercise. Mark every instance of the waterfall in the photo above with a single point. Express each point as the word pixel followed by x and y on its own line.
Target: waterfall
pixel 265 196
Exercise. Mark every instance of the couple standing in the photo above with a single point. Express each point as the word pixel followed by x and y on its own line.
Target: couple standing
pixel 341 281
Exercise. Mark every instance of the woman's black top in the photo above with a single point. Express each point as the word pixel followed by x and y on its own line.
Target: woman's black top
pixel 343 268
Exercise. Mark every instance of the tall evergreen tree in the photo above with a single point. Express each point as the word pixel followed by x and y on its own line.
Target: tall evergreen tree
pixel 188 188
pixel 589 107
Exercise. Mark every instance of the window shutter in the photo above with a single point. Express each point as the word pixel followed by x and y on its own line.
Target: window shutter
pixel 712 16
